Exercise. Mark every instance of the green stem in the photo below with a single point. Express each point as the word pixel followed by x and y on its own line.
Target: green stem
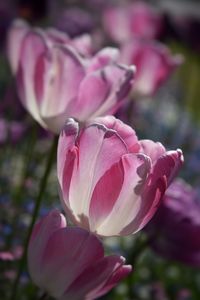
pixel 38 201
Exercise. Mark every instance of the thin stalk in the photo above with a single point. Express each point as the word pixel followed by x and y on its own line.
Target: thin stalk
pixel 38 201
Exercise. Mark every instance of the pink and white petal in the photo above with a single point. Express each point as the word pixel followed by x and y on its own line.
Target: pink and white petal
pixel 127 133
pixel 117 276
pixel 120 79
pixel 152 149
pixel 93 92
pixel 163 172
pixel 40 235
pixel 68 253
pixel 136 168
pixel 95 157
pixel 105 195
pixel 83 45
pixel 150 201
pixel 16 33
pixel 66 144
pixel 33 47
pixel 103 58
pixel 62 82
pixel 88 284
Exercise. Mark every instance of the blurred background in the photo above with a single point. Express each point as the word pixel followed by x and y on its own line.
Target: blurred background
pixel 166 254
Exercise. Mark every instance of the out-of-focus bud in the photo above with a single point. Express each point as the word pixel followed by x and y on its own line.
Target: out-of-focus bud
pixel 69 262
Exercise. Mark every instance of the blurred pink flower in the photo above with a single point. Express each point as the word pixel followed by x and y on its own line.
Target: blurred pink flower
pixel 111 183
pixel 19 29
pixel 69 262
pixel 55 82
pixel 176 226
pixel 138 19
pixel 154 64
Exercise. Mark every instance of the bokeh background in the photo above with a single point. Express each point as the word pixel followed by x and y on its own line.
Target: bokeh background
pixel 171 115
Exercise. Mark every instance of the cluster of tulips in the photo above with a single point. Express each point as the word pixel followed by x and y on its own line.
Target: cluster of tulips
pixel 110 182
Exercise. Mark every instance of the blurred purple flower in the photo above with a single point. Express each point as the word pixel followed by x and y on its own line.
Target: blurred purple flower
pixel 74 21
pixel 12 131
pixel 175 229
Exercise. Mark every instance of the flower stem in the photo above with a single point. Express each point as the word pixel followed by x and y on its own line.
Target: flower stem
pixel 38 201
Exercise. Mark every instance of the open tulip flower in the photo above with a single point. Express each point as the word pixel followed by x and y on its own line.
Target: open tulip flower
pixel 154 64
pixel 19 29
pixel 55 82
pixel 69 263
pixel 112 183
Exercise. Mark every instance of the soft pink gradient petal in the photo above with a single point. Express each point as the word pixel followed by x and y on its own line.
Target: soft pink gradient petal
pixel 39 238
pixel 16 33
pixel 67 254
pixel 103 58
pixel 94 158
pixel 92 93
pixel 152 149
pixel 125 132
pixel 66 144
pixel 33 48
pixel 92 281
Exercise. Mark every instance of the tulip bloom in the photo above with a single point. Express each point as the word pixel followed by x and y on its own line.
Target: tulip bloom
pixel 69 262
pixel 111 183
pixel 123 23
pixel 19 29
pixel 176 225
pixel 154 64
pixel 55 82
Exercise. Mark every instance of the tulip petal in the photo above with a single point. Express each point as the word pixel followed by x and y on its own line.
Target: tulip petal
pixel 94 159
pixel 39 237
pixel 152 149
pixel 92 280
pixel 33 48
pixel 125 132
pixel 68 253
pixel 17 32
pixel 163 172
pixel 135 168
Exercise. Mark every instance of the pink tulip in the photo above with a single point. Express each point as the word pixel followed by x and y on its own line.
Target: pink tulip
pixel 17 32
pixel 138 19
pixel 111 183
pixel 55 82
pixel 154 64
pixel 69 262
pixel 19 29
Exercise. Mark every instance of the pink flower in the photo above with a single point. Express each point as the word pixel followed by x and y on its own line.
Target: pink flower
pixel 15 36
pixel 69 262
pixel 138 19
pixel 154 64
pixel 19 29
pixel 55 82
pixel 176 225
pixel 111 183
